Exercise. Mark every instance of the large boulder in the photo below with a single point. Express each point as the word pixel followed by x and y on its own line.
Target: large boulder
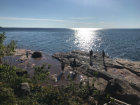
pixel 24 89
pixel 37 54
pixel 123 91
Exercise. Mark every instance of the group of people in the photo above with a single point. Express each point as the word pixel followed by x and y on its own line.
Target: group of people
pixel 74 61
pixel 91 54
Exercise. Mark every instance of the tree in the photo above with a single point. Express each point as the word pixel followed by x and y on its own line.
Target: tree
pixel 6 50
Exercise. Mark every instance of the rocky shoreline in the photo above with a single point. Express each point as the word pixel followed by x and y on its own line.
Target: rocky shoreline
pixel 118 77
pixel 20 60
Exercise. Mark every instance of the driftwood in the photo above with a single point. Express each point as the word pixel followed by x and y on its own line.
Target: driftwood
pixel 120 102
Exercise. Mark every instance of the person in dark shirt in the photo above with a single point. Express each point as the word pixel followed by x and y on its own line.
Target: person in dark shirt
pixel 62 66
pixel 26 54
pixel 103 54
pixel 91 53
pixel 74 64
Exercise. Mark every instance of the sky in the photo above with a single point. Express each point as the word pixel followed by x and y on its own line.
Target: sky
pixel 70 13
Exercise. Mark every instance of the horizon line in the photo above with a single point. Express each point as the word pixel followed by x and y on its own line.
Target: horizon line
pixel 68 27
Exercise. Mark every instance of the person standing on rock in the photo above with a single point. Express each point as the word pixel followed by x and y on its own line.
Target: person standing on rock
pixel 62 66
pixel 27 54
pixel 103 54
pixel 74 64
pixel 91 53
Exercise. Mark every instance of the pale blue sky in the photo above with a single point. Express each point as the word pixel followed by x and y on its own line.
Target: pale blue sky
pixel 70 13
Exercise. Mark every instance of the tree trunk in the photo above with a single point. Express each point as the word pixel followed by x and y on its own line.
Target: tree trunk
pixel 0 60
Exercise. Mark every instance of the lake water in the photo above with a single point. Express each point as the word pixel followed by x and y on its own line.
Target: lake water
pixel 117 43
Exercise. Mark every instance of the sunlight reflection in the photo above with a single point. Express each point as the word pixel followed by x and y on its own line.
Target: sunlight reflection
pixel 86 38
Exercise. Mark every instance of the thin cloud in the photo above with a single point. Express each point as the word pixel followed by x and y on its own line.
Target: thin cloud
pixel 33 19
pixel 15 18
pixel 81 17
pixel 80 22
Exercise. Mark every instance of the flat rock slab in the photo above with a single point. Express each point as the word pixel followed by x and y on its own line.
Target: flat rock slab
pixel 130 65
pixel 20 52
pixel 98 64
pixel 124 73
pixel 123 70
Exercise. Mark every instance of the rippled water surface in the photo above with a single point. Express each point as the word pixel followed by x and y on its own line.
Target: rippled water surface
pixel 117 43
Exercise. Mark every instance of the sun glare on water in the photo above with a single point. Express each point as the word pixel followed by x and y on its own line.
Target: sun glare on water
pixel 85 38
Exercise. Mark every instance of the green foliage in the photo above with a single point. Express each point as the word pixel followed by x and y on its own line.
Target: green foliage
pixel 95 74
pixel 8 75
pixel 84 93
pixel 40 74
pixel 6 95
pixel 6 50
pixel 2 38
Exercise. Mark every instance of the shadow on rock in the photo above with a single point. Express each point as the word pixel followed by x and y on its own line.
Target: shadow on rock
pixel 73 76
pixel 61 76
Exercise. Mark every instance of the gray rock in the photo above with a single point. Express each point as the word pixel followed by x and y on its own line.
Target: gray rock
pixel 23 58
pixel 134 67
pixel 123 91
pixel 126 87
pixel 84 53
pixel 66 61
pixel 32 65
pixel 24 88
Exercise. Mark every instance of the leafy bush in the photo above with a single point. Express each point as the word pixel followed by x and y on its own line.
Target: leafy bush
pixel 8 75
pixel 6 95
pixel 6 50
pixel 40 74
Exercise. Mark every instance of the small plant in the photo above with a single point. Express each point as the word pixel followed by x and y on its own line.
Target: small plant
pixel 84 92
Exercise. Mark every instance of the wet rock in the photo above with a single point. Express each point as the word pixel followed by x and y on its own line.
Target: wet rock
pixel 37 54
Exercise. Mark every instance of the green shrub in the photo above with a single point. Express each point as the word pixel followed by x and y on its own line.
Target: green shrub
pixel 8 75
pixel 7 96
pixel 6 50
